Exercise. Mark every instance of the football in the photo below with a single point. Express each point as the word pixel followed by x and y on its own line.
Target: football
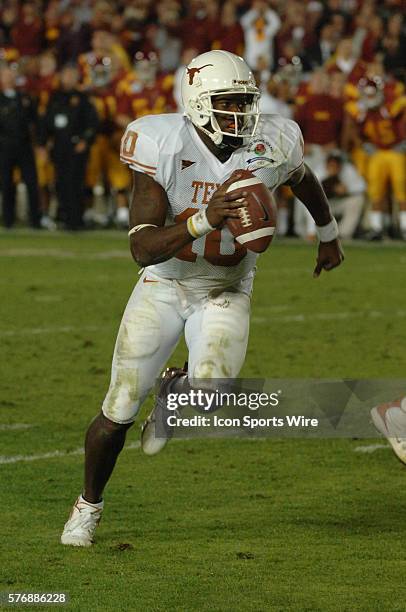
pixel 257 223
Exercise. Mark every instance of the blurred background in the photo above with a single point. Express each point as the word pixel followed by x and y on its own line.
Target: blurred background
pixel 74 73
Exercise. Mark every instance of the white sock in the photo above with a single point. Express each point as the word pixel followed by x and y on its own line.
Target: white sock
pixel 402 220
pixel 282 223
pixel 99 505
pixel 376 220
pixel 122 214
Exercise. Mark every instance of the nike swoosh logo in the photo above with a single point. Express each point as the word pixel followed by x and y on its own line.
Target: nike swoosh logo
pixel 266 216
pixel 147 280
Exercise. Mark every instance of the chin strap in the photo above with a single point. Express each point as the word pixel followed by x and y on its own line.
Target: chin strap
pixel 216 137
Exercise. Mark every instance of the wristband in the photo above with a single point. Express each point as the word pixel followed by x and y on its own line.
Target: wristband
pixel 197 224
pixel 329 232
pixel 137 228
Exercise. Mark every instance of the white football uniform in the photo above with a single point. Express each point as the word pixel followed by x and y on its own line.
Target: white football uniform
pixel 168 148
pixel 204 290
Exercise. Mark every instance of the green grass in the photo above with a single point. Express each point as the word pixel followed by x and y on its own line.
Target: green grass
pixel 222 525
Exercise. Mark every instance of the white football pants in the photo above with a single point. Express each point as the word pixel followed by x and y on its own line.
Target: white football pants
pixel 216 327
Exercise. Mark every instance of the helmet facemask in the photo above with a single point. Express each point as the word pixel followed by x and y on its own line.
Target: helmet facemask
pixel 372 97
pixel 146 67
pixel 371 92
pixel 244 122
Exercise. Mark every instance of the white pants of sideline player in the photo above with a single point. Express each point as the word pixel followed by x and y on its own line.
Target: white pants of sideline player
pixel 216 327
pixel 348 209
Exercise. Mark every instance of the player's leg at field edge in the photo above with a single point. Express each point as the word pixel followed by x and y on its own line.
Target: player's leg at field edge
pixel 104 442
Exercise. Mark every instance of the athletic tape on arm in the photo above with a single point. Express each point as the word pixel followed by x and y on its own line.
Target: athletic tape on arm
pixel 137 228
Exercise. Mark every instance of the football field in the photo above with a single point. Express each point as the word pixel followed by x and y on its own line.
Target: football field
pixel 210 524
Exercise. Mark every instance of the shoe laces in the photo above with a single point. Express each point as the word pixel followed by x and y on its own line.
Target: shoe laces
pixel 87 518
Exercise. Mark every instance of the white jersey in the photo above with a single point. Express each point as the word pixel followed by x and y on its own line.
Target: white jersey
pixel 168 148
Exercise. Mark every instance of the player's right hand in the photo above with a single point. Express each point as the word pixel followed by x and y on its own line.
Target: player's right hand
pixel 223 205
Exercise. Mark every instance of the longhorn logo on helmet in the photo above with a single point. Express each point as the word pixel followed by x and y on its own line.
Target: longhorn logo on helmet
pixel 193 71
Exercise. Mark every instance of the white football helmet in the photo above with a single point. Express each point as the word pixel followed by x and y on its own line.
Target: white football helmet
pixel 214 73
pixel 371 92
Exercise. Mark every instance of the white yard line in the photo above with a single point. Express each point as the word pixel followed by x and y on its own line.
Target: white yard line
pixel 288 318
pixel 66 329
pixel 330 316
pixel 18 458
pixel 119 235
pixel 63 254
pixel 371 448
pixel 57 453
pixel 13 426
pixel 124 253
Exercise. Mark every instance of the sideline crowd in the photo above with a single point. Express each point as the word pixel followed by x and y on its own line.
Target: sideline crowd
pixel 74 73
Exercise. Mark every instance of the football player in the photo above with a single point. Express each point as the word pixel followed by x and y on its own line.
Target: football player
pixel 43 86
pixel 101 70
pixel 379 124
pixel 196 279
pixel 345 62
pixel 144 91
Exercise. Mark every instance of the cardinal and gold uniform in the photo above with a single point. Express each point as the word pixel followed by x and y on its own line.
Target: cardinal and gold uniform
pixel 103 161
pixel 320 118
pixel 353 76
pixel 384 129
pixel 392 90
pixel 136 100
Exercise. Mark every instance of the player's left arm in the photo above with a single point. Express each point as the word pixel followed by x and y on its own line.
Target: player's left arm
pixel 306 186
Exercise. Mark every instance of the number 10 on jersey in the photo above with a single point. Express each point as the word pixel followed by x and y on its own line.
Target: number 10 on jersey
pixel 212 246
